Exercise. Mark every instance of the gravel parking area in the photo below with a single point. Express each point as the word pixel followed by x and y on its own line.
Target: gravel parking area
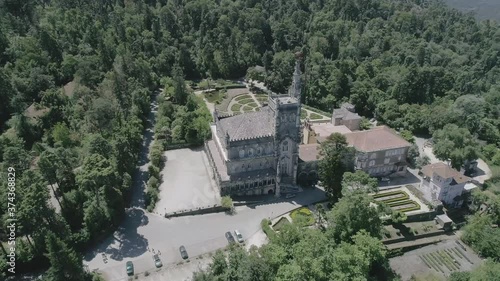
pixel 187 181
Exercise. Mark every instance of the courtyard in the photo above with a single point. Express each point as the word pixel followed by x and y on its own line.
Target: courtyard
pixel 187 182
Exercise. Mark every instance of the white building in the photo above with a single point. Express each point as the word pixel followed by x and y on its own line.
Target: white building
pixel 446 184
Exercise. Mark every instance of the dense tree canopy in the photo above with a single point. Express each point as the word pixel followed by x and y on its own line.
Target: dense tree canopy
pixel 298 253
pixel 77 79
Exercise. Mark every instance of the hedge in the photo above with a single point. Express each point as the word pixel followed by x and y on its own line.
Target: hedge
pixel 267 229
pixel 400 203
pixel 230 86
pixel 384 194
pixel 409 209
pixel 405 197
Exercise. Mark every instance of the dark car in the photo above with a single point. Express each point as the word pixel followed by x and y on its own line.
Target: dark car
pixel 157 261
pixel 130 268
pixel 184 253
pixel 230 237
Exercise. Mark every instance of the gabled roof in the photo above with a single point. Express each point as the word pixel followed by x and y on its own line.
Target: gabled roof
pixel 444 171
pixel 345 114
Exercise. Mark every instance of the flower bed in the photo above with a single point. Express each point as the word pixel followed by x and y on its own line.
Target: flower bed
pixel 305 213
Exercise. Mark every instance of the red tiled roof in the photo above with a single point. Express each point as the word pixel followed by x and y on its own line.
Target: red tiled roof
pixel 444 171
pixel 378 138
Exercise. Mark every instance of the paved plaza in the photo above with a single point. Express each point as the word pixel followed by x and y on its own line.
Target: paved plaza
pixel 142 232
pixel 187 181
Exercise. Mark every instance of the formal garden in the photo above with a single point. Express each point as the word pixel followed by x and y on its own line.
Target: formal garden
pixel 450 259
pixel 244 103
pixel 398 200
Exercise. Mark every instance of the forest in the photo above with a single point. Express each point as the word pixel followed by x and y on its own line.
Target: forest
pixel 77 78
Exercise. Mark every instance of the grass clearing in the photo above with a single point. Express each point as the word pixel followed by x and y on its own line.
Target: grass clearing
pixel 315 116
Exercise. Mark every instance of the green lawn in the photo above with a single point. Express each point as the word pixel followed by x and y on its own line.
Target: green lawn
pixel 303 114
pixel 215 97
pixel 236 107
pixel 315 116
pixel 246 101
pixel 252 104
pixel 247 108
pixel 282 222
pixel 303 214
pixel 243 97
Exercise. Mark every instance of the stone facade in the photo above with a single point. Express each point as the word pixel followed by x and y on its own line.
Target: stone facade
pixel 257 153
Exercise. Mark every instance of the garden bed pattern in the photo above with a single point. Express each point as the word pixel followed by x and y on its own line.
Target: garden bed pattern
pixel 450 259
pixel 243 103
pixel 397 200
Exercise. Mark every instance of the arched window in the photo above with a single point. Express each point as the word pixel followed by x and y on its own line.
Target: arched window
pixel 250 152
pixel 242 153
pixel 285 146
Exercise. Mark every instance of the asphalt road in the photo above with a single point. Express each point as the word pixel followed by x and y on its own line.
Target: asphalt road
pixel 143 232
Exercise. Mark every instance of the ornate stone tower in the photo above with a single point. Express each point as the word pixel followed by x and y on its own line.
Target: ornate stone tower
pixel 287 137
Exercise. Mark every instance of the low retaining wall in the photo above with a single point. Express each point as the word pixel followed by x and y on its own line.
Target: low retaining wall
pixel 199 211
pixel 414 237
pixel 426 216
pixel 245 203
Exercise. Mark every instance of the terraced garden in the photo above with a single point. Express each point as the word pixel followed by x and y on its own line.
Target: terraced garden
pixel 398 201
pixel 450 259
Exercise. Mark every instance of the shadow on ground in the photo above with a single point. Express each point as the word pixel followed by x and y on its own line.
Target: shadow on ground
pixel 125 242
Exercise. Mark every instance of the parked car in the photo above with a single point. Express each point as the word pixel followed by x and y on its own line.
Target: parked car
pixel 384 179
pixel 239 237
pixel 130 268
pixel 157 261
pixel 184 253
pixel 230 237
pixel 290 195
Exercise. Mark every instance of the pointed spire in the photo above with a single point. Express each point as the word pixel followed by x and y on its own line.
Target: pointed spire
pixel 296 87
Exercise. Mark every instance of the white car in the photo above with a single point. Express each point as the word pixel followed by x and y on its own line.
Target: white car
pixel 238 235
